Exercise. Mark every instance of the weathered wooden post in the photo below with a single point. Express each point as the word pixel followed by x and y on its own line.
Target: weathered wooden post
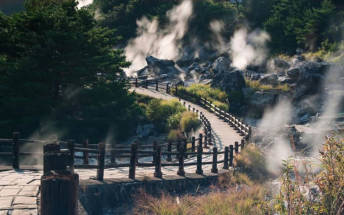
pixel 133 158
pixel 169 150
pixel 136 83
pixel 72 152
pixel 231 157
pixel 193 109
pixel 156 85
pixel 193 146
pixel 197 112
pixel 155 145
pixel 113 154
pixel 185 149
pixel 15 150
pixel 85 153
pixel 176 92
pixel 189 107
pixel 101 161
pixel 242 146
pixel 225 160
pixel 157 163
pixel 146 84
pixel 59 185
pixel 210 136
pixel 205 139
pixel 181 171
pixel 236 147
pixel 168 88
pixel 199 157
pixel 214 167
pixel 184 103
pixel 249 134
pixel 200 140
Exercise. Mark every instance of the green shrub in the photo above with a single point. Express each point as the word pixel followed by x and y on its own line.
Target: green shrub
pixel 174 120
pixel 189 121
pixel 174 135
pixel 159 112
pixel 256 85
pixel 252 162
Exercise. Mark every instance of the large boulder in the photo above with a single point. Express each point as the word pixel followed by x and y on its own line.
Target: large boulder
pixel 229 81
pixel 262 99
pixel 221 64
pixel 157 68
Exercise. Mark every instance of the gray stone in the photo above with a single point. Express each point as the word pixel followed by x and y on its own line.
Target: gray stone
pixel 229 81
pixel 221 64
pixel 269 79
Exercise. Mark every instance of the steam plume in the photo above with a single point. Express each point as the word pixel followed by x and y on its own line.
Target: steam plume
pixel 161 43
pixel 248 48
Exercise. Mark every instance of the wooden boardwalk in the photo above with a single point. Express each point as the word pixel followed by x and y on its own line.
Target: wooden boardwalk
pixel 19 190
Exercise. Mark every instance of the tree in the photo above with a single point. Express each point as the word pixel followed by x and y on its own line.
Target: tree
pixel 52 56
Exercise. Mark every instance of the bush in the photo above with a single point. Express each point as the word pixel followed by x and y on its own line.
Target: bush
pixel 189 121
pixel 159 112
pixel 174 135
pixel 256 85
pixel 252 162
pixel 195 91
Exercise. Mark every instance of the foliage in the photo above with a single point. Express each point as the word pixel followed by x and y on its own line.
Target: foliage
pixel 161 112
pixel 189 121
pixel 175 135
pixel 252 162
pixel 256 85
pixel 195 91
pixel 302 24
pixel 329 199
pixel 246 200
pixel 58 66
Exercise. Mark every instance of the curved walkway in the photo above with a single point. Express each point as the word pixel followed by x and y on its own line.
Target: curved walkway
pixel 19 190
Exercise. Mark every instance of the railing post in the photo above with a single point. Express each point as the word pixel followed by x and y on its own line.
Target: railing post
pixel 59 186
pixel 185 145
pixel 210 136
pixel 156 86
pixel 189 107
pixel 249 133
pixel 199 157
pixel 169 150
pixel 236 147
pixel 85 154
pixel 15 150
pixel 113 154
pixel 72 152
pixel 146 84
pixel 193 146
pixel 242 146
pixel 155 146
pixel 193 109
pixel 168 88
pixel 231 155
pixel 181 171
pixel 157 163
pixel 214 168
pixel 205 138
pixel 225 161
pixel 136 83
pixel 133 158
pixel 176 91
pixel 200 140
pixel 101 161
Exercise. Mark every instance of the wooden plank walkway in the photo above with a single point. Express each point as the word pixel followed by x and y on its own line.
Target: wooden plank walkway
pixel 19 190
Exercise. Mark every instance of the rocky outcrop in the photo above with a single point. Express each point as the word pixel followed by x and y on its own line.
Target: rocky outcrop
pixel 229 81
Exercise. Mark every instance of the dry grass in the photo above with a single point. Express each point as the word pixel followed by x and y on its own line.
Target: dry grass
pixel 239 200
pixel 256 85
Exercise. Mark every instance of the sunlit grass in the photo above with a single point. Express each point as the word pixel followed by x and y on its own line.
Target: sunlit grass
pixel 256 85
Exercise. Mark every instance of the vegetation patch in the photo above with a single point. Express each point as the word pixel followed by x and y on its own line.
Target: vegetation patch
pixel 256 85
pixel 196 91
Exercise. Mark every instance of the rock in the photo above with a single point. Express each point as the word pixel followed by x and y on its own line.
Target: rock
pixel 269 79
pixel 229 81
pixel 285 80
pixel 279 63
pixel 221 64
pixel 293 73
pixel 262 99
pixel 155 62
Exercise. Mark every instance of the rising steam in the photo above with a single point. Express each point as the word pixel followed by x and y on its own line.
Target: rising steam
pixel 161 43
pixel 83 3
pixel 248 48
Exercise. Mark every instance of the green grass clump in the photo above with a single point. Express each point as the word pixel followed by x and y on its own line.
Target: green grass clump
pixel 256 85
pixel 189 121
pixel 195 91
